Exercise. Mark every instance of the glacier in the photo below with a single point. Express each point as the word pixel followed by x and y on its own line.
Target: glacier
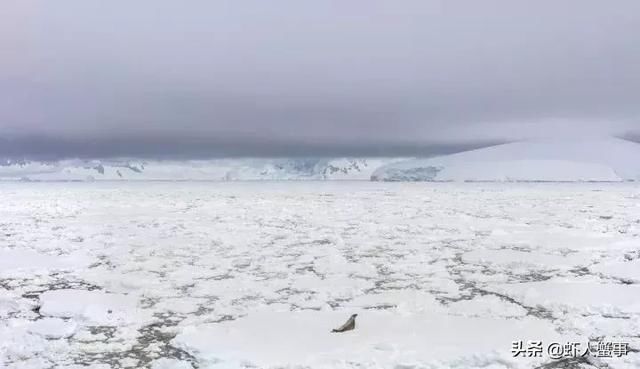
pixel 231 169
pixel 551 160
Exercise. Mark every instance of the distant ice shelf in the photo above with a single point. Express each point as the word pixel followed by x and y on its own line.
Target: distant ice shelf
pixel 592 160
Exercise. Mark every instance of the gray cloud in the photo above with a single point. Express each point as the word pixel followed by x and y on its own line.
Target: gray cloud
pixel 253 75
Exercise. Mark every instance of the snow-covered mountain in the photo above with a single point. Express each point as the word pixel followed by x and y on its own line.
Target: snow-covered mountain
pixel 608 159
pixel 600 160
pixel 215 169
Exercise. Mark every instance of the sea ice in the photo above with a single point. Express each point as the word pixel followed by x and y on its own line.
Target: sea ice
pixel 174 276
pixel 92 306
pixel 382 338
pixel 629 270
pixel 53 328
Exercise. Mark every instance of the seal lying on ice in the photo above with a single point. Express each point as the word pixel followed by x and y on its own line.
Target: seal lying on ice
pixel 348 326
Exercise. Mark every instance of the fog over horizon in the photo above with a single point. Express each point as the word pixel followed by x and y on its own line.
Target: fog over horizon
pixel 287 78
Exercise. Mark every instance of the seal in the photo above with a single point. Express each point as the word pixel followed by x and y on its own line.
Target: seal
pixel 348 326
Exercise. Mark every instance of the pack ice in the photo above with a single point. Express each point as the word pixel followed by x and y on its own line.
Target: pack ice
pixel 202 275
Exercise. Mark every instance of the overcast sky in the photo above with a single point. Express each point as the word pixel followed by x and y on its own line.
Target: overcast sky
pixel 260 75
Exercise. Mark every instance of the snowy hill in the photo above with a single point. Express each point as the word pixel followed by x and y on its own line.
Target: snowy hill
pixel 218 169
pixel 600 160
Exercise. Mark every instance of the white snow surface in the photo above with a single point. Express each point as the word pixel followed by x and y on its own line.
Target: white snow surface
pixel 551 160
pixel 383 339
pixel 53 328
pixel 626 270
pixel 183 170
pixel 95 307
pixel 256 274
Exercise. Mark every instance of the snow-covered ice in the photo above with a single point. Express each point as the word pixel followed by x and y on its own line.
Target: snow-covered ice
pixel 550 160
pixel 53 328
pixel 256 274
pixel 625 270
pixel 382 339
pixel 95 307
